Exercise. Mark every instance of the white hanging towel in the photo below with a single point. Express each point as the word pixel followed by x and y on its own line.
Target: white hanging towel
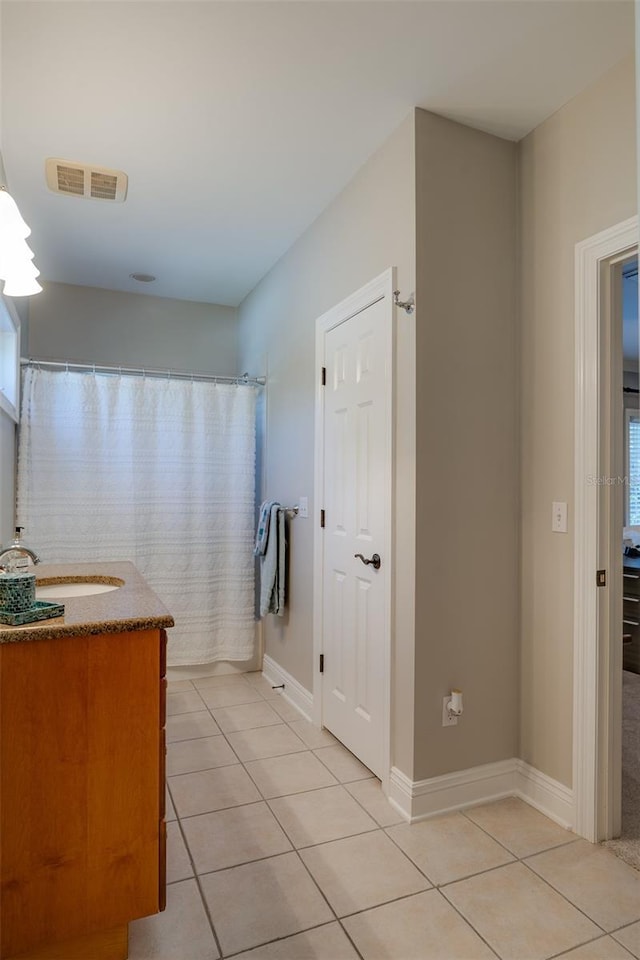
pixel 262 534
pixel 273 564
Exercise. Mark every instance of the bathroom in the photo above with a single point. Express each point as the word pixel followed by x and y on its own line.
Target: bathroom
pixel 501 391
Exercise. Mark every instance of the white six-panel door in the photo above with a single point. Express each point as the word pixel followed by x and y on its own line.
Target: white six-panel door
pixel 356 500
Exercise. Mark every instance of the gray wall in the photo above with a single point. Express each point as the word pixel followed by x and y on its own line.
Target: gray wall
pixel 467 449
pixel 369 227
pixel 103 326
pixel 459 345
pixel 577 177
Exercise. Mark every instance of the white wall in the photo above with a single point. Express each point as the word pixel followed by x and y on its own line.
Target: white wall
pixel 107 327
pixel 577 177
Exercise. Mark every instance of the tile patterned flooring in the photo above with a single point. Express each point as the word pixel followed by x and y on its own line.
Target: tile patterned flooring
pixel 281 846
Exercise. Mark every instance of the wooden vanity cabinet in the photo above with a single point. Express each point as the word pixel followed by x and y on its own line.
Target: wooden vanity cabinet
pixel 82 834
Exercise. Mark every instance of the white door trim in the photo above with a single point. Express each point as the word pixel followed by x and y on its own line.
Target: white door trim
pixel 590 714
pixel 379 288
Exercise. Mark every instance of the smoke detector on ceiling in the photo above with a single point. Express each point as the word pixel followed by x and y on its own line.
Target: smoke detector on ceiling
pixel 81 180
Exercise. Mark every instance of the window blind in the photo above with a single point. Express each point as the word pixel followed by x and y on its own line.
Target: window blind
pixel 633 481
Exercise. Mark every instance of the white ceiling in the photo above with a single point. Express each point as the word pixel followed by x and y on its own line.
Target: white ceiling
pixel 237 122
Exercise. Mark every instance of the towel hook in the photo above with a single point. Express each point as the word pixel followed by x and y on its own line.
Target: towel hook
pixel 406 305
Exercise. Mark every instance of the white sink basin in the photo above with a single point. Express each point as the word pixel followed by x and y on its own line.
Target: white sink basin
pixel 73 588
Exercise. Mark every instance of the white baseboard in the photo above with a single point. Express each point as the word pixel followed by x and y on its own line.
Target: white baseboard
pixel 420 799
pixel 545 794
pixel 417 800
pixel 293 691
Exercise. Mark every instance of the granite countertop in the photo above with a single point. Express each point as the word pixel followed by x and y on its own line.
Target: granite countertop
pixel 133 606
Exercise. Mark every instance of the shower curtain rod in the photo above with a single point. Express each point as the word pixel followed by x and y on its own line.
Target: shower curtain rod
pixel 142 371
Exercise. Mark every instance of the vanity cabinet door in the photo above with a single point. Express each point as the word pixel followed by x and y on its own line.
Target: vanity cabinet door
pixel 80 778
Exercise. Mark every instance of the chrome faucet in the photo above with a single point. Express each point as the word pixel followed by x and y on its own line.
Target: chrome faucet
pixel 23 551
pixel 17 547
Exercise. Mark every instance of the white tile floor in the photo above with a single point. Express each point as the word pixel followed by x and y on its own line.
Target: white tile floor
pixel 281 846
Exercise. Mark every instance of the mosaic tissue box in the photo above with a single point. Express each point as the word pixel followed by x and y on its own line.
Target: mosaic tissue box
pixel 18 604
pixel 17 592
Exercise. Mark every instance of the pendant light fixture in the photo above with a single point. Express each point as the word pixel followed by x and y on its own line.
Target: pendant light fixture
pixel 17 268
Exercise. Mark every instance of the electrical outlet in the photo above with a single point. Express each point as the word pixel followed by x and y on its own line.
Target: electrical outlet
pixel 559 516
pixel 447 721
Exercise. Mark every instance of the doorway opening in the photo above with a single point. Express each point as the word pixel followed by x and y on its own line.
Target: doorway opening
pixel 626 836
pixel 601 486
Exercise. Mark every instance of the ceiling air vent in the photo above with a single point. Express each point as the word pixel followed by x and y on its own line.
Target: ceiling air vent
pixel 81 180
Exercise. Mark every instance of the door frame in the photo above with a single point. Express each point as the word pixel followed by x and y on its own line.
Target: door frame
pixel 380 288
pixel 597 695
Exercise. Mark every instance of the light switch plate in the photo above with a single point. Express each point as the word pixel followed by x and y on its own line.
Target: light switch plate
pixel 303 507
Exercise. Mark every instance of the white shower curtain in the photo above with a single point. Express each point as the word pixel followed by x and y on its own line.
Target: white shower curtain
pixel 160 472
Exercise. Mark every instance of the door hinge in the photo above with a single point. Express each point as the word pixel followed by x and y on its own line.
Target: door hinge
pixel 322 663
pixel 601 578
pixel 322 518
pixel 324 376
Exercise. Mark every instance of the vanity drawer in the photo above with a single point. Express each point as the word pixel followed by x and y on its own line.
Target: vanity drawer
pixel 163 698
pixel 163 653
pixel 163 771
